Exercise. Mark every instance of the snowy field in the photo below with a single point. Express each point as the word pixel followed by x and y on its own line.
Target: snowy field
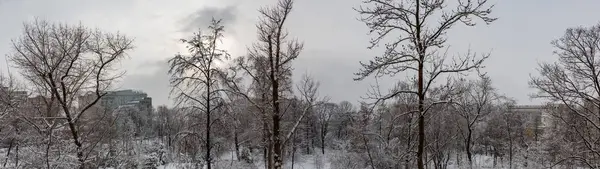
pixel 318 161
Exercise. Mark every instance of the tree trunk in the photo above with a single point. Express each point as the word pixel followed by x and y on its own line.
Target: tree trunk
pixel 293 151
pixel 458 158
pixel 510 147
pixel 277 153
pixel 495 159
pixel 17 156
pixel 408 148
pixel 48 150
pixel 323 146
pixel 420 92
pixel 420 151
pixel 208 99
pixel 266 138
pixel 270 154
pixel 307 134
pixel 8 152
pixel 313 132
pixel 368 152
pixel 237 144
pixel 468 146
pixel 323 133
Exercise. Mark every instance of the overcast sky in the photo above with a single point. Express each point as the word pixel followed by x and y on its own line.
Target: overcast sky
pixel 334 40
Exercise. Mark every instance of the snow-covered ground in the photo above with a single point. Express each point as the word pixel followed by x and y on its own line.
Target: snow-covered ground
pixel 319 161
pixel 312 161
pixel 229 161
pixel 316 160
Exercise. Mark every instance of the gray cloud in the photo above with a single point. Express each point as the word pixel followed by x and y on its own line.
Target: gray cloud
pixel 202 17
pixel 334 40
pixel 156 83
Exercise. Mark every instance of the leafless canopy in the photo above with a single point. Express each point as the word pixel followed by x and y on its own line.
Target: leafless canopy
pixel 195 73
pixel 64 61
pixel 414 44
pixel 573 81
pixel 407 30
pixel 274 48
pixel 9 96
pixel 68 60
pixel 195 78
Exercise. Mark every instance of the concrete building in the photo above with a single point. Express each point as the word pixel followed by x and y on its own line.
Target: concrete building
pixel 115 99
pixel 536 112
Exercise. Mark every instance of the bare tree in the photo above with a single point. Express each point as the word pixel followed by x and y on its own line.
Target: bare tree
pixel 275 38
pixel 417 48
pixel 574 81
pixel 65 61
pixel 476 101
pixel 343 116
pixel 324 113
pixel 12 99
pixel 275 52
pixel 195 77
pixel 309 98
pixel 256 94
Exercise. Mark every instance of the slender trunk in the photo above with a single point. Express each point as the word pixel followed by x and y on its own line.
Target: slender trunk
pixel 277 153
pixel 510 145
pixel 368 152
pixel 78 144
pixel 425 161
pixel 267 149
pixel 468 147
pixel 323 133
pixel 313 132
pixel 266 136
pixel 208 111
pixel 17 155
pixel 237 143
pixel 307 134
pixel 323 146
pixel 420 92
pixel 270 154
pixel 265 157
pixel 8 153
pixel 457 158
pixel 420 150
pixel 293 150
pixel 408 148
pixel 495 158
pixel 48 149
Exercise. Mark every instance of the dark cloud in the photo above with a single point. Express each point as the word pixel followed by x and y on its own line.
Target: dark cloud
pixel 201 18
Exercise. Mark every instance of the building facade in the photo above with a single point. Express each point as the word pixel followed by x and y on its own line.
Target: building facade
pixel 541 113
pixel 115 99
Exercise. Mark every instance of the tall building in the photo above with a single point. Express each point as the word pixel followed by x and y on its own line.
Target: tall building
pixel 536 112
pixel 115 99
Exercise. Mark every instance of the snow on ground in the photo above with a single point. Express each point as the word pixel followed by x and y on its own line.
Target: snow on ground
pixel 319 161
pixel 313 161
pixel 229 161
pixel 176 166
